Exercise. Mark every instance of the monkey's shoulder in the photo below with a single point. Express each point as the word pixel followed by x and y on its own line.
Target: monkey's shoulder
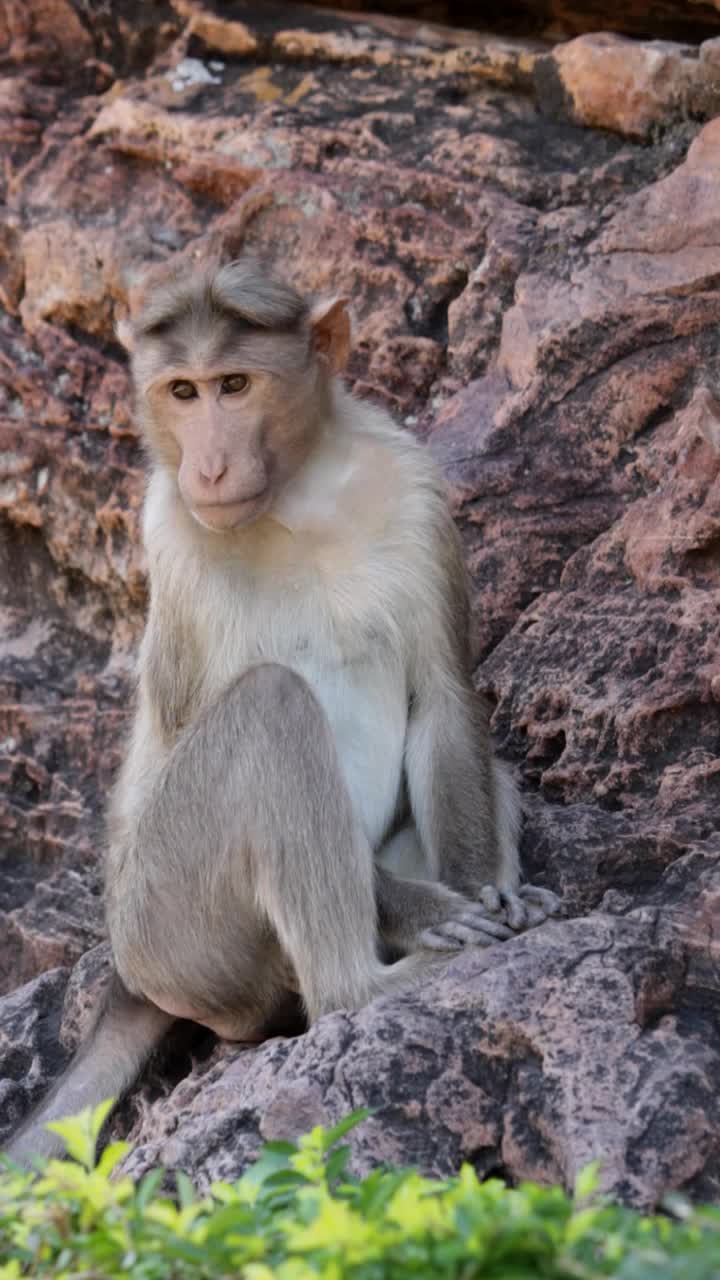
pixel 395 483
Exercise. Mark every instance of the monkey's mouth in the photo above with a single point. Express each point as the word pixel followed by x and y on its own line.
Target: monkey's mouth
pixel 220 517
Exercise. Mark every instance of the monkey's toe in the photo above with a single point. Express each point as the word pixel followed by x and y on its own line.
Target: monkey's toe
pixel 470 929
pixel 525 909
pixel 438 940
pixel 476 919
pixel 491 899
pixel 541 903
pixel 516 911
pixel 505 906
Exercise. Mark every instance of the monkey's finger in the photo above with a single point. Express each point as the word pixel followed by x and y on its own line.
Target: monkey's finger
pixel 491 899
pixel 435 940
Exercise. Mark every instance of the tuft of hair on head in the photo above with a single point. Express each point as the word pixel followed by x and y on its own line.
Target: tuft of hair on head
pixel 244 292
pixel 252 292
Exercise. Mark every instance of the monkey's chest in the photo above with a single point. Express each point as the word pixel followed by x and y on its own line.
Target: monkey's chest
pixel 359 679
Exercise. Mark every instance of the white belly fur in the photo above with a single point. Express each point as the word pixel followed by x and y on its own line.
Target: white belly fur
pixel 358 678
pixel 366 704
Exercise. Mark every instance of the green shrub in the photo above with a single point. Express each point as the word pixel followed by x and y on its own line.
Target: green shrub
pixel 297 1214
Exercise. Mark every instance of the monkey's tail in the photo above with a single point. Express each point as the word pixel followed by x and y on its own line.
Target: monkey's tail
pixel 410 971
pixel 126 1033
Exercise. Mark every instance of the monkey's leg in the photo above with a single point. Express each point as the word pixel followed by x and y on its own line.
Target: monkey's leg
pixel 127 1030
pixel 253 801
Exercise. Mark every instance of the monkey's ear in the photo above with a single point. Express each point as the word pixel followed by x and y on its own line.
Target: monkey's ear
pixel 330 329
pixel 135 278
pixel 124 334
pixel 138 280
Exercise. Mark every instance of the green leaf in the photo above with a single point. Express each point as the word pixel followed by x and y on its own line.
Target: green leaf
pixel 185 1189
pixel 274 1157
pixel 338 1131
pixel 337 1164
pixel 296 1215
pixel 148 1188
pixel 80 1133
pixel 111 1156
pixel 587 1181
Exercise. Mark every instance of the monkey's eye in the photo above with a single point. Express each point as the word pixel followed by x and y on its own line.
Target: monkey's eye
pixel 183 390
pixel 233 384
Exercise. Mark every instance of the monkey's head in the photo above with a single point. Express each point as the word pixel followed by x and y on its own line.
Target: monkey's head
pixel 232 370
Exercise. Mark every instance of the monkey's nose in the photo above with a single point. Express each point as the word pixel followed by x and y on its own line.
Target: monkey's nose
pixel 212 470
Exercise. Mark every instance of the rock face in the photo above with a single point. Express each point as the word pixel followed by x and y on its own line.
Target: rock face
pixel 540 302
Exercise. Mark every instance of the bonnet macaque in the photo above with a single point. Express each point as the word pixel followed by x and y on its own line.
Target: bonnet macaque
pixel 309 802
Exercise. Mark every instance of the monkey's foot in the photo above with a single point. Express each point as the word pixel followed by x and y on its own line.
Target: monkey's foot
pixel 472 925
pixel 530 906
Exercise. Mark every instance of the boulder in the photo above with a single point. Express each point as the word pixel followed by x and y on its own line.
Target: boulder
pixel 634 87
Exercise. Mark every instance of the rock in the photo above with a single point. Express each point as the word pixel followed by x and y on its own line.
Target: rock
pixel 538 301
pixel 610 82
pixel 527 1060
pixel 676 214
pixel 550 19
pixel 12 276
pixel 83 995
pixel 225 35
pixel 30 1055
pixel 81 43
pixel 44 28
pixel 70 278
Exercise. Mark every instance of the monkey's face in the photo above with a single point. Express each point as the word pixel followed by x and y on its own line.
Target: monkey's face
pixel 239 429
pixel 232 372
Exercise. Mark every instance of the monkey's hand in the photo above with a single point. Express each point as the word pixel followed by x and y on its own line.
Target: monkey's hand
pixel 497 916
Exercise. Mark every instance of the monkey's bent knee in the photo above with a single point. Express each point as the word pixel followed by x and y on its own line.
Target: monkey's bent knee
pixel 273 686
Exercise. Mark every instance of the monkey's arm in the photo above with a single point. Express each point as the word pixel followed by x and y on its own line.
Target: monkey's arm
pixel 169 663
pixel 452 786
pixel 464 803
pixel 463 800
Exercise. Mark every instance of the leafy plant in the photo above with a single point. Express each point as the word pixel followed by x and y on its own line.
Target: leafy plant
pixel 298 1214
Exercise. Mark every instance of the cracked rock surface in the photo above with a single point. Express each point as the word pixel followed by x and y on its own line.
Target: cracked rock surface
pixel 534 266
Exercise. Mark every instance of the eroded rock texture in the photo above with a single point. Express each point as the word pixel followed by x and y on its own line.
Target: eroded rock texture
pixel 540 301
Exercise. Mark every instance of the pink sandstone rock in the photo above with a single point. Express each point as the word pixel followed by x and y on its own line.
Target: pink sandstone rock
pixel 611 82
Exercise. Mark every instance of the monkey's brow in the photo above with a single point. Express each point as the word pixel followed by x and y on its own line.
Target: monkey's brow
pixel 231 325
pixel 260 352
